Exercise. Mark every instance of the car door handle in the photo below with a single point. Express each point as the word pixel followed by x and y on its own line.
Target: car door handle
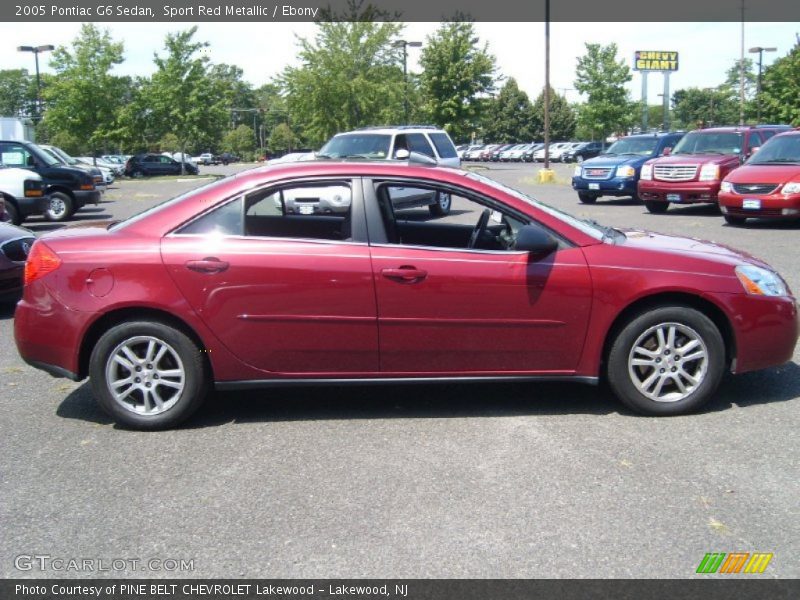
pixel 207 265
pixel 405 274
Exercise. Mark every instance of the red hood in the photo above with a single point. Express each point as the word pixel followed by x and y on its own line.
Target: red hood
pixel 764 174
pixel 689 248
pixel 694 159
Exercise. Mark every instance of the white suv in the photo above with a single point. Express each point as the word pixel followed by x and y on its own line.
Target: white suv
pixel 397 143
pixel 378 143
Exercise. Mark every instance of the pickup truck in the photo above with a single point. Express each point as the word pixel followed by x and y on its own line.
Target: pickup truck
pixel 206 159
pixel 615 172
pixel 693 171
pixel 68 188
pixel 21 195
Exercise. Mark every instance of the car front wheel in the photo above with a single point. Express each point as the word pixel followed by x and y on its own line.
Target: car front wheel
pixel 61 207
pixel 587 198
pixel 442 205
pixel 730 220
pixel 655 207
pixel 148 375
pixel 666 361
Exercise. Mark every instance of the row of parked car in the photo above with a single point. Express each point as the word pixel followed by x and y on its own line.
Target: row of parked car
pixel 530 152
pixel 750 172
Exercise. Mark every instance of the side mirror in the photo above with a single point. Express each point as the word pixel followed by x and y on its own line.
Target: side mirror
pixel 535 240
pixel 667 151
pixel 402 154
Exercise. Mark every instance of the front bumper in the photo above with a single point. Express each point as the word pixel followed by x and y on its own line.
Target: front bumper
pixel 772 206
pixel 84 197
pixel 33 206
pixel 687 192
pixel 616 186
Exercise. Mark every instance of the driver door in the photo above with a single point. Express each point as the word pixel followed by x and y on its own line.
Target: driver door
pixel 445 308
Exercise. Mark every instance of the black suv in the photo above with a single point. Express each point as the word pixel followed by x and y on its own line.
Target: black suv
pixel 68 188
pixel 142 165
pixel 582 151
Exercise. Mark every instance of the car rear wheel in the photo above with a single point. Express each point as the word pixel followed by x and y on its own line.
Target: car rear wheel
pixel 731 220
pixel 442 205
pixel 666 361
pixel 148 375
pixel 587 198
pixel 655 207
pixel 61 207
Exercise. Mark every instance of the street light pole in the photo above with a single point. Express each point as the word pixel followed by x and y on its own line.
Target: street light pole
pixel 405 44
pixel 760 51
pixel 36 50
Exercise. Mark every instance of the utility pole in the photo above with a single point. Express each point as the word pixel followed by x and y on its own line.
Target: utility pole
pixel 741 74
pixel 404 45
pixel 36 50
pixel 760 51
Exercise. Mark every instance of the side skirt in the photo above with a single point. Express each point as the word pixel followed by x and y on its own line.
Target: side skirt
pixel 266 383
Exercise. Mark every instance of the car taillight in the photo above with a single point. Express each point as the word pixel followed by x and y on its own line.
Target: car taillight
pixel 41 261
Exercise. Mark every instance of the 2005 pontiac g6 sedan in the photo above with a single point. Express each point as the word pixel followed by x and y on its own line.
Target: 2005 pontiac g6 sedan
pixel 233 286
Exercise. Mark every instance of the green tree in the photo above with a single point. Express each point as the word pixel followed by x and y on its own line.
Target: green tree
pixel 509 116
pixel 184 98
pixel 601 77
pixel 780 94
pixel 17 93
pixel 84 98
pixel 240 140
pixel 456 75
pixel 349 76
pixel 282 139
pixel 562 117
pixel 693 107
pixel 169 143
pixel 730 89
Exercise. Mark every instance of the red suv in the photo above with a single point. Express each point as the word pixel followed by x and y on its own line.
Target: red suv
pixel 767 185
pixel 692 172
pixel 224 287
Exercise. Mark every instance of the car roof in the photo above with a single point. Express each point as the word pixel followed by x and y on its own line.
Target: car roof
pixel 737 128
pixel 388 130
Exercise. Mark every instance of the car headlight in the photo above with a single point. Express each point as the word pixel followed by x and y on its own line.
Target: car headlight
pixel 793 187
pixel 626 171
pixel 647 172
pixel 709 172
pixel 726 186
pixel 578 171
pixel 761 282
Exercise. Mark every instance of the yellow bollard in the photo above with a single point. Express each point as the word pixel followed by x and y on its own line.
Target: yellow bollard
pixel 546 176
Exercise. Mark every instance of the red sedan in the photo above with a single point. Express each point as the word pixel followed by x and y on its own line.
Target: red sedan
pixel 224 287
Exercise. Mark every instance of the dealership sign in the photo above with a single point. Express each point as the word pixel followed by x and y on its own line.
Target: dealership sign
pixel 649 60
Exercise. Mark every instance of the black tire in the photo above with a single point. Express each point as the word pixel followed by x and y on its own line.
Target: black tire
pixel 655 207
pixel 61 207
pixel 131 411
pixel 14 216
pixel 137 174
pixel 587 198
pixel 738 221
pixel 621 375
pixel 442 205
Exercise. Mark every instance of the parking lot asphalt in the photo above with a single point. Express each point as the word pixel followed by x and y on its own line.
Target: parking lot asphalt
pixel 478 481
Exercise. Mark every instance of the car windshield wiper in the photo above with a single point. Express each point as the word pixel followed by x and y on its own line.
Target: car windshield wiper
pixel 320 155
pixel 710 152
pixel 366 156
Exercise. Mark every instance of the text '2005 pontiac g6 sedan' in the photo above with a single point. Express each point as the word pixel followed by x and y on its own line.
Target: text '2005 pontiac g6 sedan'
pixel 224 287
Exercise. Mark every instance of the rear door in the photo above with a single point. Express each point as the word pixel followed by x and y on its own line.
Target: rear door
pixel 287 293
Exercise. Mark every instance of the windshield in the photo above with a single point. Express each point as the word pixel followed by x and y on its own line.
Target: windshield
pixel 642 146
pixel 590 228
pixel 699 142
pixel 66 158
pixel 783 149
pixel 49 159
pixel 359 145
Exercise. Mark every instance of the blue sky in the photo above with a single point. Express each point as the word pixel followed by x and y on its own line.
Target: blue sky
pixel 263 49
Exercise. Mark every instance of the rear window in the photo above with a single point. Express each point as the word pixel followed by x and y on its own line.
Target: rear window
pixel 443 145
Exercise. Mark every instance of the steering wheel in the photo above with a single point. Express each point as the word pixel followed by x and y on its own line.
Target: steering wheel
pixel 480 227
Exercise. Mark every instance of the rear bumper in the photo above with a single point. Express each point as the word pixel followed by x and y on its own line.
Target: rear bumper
pixel 47 333
pixel 689 192
pixel 616 186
